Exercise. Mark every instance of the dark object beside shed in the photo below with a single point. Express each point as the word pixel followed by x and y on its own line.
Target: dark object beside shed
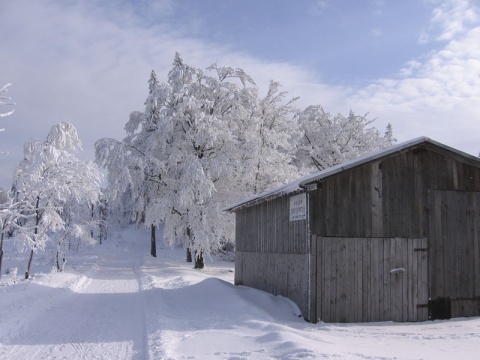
pixel 391 236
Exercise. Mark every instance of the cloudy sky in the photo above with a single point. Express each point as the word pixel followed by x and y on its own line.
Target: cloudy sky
pixel 412 63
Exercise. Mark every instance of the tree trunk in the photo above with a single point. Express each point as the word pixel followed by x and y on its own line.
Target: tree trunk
pixel 91 231
pixel 37 221
pixel 60 267
pixel 199 263
pixel 189 246
pixel 153 242
pixel 27 273
pixel 58 264
pixel 1 257
pixel 1 252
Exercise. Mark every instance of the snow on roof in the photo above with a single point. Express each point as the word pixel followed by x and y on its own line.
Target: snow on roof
pixel 299 184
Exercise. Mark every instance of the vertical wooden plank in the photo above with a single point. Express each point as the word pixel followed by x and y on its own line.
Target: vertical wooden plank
pixel 340 259
pixel 313 279
pixel 476 244
pixel 404 275
pixel 411 277
pixel 436 245
pixel 329 298
pixel 376 192
pixel 380 277
pixel 238 279
pixel 423 290
pixel 320 279
pixel 388 187
pixel 418 198
pixel 340 190
pixel 274 215
pixel 399 223
pixel 350 286
pixel 465 254
pixel 278 237
pixel 387 266
pixel 449 216
pixel 374 280
pixel 330 207
pixel 395 282
pixel 366 274
pixel 255 245
pixel 336 220
pixel 363 204
pixel 412 198
pixel 414 279
pixel 315 214
pixel 358 293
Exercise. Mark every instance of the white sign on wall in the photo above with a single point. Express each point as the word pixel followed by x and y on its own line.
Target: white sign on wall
pixel 298 207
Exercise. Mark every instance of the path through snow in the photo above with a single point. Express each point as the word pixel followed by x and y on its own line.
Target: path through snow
pixel 95 315
pixel 114 301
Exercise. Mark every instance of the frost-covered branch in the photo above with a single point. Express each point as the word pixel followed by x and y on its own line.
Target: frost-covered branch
pixel 5 100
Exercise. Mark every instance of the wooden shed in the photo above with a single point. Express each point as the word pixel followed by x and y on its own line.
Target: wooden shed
pixel 390 236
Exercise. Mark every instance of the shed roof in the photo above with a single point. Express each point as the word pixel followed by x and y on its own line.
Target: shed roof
pixel 299 184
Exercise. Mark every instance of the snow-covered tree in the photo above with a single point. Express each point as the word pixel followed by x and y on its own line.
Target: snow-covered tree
pixel 8 213
pixel 207 139
pixel 5 216
pixel 101 215
pixel 329 140
pixel 268 142
pixel 196 139
pixel 49 177
pixel 78 227
pixel 134 164
pixel 203 141
pixel 11 212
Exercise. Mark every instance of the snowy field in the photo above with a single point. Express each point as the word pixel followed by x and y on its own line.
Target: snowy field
pixel 114 301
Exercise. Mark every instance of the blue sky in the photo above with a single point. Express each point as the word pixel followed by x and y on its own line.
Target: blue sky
pixel 412 63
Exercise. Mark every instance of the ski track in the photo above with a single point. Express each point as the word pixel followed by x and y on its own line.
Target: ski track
pixel 125 306
pixel 109 326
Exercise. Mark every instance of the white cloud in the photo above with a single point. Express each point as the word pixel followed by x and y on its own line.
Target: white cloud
pixel 378 6
pixel 320 7
pixel 410 67
pixel 377 32
pixel 436 96
pixel 88 63
pixel 454 18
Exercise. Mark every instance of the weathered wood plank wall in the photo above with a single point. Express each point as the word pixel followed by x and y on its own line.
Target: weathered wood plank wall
pixel 392 197
pixel 273 253
pixel 455 263
pixel 372 279
pixel 388 197
pixel 266 228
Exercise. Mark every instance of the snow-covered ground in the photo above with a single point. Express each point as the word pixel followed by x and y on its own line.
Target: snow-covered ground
pixel 114 301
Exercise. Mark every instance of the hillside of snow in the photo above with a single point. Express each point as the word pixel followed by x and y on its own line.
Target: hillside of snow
pixel 115 301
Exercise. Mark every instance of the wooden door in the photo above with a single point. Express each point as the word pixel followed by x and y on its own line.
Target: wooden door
pixel 455 251
pixel 371 279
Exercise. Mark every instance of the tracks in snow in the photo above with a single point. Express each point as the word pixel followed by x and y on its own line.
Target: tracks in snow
pixel 98 315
